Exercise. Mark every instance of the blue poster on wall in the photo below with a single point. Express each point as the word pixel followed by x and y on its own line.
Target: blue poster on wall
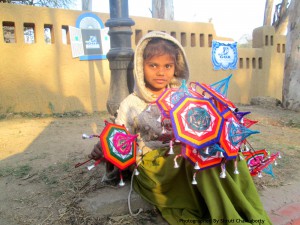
pixel 224 55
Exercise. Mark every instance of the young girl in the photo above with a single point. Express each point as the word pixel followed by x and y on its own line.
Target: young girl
pixel 160 63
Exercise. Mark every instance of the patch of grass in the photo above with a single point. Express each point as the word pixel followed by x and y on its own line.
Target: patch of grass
pixel 57 194
pixel 66 166
pixel 292 123
pixel 52 174
pixel 39 156
pixel 48 178
pixel 6 171
pixel 17 172
pixel 22 171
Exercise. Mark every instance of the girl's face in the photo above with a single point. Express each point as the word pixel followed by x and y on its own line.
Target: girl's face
pixel 158 72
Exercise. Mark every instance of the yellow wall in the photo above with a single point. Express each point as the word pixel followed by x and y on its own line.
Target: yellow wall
pixel 44 78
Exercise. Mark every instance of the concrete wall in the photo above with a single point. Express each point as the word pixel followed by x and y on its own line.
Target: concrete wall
pixel 44 78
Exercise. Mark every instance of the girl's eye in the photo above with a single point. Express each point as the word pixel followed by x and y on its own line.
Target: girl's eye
pixel 169 66
pixel 153 65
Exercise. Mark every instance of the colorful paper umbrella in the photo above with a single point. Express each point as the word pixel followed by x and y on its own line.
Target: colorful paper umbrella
pixel 171 96
pixel 259 160
pixel 233 134
pixel 254 158
pixel 118 146
pixel 218 96
pixel 205 158
pixel 196 122
pixel 164 101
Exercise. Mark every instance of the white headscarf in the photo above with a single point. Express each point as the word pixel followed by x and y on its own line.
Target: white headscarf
pixel 139 85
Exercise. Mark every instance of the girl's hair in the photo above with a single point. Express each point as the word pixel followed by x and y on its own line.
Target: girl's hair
pixel 158 47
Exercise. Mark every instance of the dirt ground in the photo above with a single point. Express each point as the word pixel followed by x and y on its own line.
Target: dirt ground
pixel 39 184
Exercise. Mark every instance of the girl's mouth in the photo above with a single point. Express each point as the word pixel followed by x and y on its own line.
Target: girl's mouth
pixel 160 81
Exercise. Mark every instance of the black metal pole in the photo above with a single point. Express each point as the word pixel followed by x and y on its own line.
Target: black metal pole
pixel 120 55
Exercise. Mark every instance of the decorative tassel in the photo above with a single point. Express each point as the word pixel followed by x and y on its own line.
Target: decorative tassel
pixel 197 167
pixel 121 183
pixel 85 136
pixel 95 164
pixel 242 120
pixel 176 165
pixel 148 108
pixel 194 182
pixel 223 172
pixel 159 119
pixel 175 162
pixel 171 152
pixel 163 130
pixel 241 157
pixel 136 172
pixel 259 174
pixel 221 155
pixel 91 167
pixel 206 150
pixel 236 171
pixel 279 155
pixel 247 148
pixel 275 163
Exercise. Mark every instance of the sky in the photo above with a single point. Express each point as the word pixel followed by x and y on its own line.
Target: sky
pixel 231 18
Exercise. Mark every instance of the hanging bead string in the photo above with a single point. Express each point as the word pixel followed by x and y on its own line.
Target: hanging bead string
pixel 197 167
pixel 171 151
pixel 121 183
pixel 223 170
pixel 175 160
pixel 194 182
pixel 236 171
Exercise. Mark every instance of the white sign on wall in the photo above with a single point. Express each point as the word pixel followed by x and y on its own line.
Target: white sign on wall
pixel 224 55
pixel 76 42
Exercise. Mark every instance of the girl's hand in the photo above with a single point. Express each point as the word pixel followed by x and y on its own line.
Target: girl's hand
pixel 96 152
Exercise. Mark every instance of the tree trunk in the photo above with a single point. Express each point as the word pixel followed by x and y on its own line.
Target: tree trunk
pixel 163 9
pixel 291 81
pixel 86 5
pixel 280 19
pixel 268 12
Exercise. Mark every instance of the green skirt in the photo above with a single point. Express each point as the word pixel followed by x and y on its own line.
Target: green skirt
pixel 214 200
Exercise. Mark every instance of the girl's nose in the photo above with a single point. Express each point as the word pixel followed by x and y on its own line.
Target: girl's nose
pixel 161 71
